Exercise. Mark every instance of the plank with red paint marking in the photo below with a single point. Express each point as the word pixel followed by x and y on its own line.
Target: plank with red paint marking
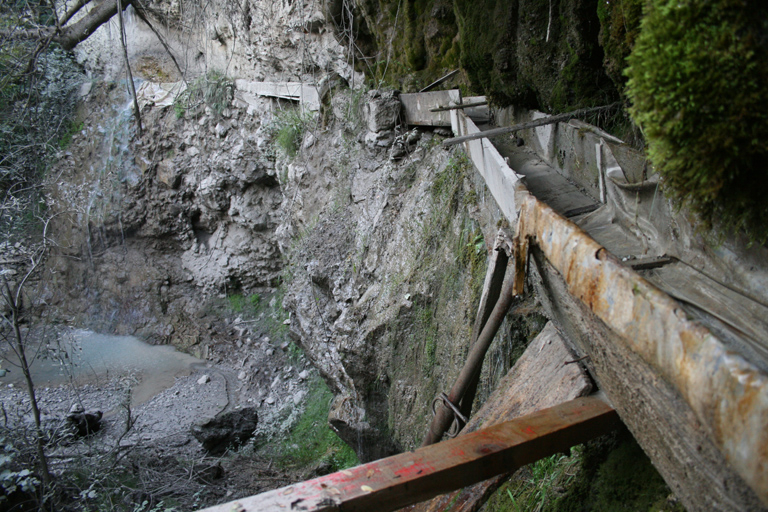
pixel 397 481
pixel 539 379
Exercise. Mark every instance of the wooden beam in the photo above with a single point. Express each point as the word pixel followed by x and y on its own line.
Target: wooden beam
pixel 444 416
pixel 459 107
pixel 411 477
pixel 530 124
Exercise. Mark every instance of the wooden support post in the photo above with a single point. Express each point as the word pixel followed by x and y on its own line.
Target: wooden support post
pixel 444 415
pixel 411 477
pixel 520 270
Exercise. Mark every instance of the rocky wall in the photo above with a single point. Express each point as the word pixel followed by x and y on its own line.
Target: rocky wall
pixel 149 228
pixel 385 235
pixel 256 40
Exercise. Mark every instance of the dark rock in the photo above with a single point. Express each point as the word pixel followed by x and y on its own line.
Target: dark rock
pixel 207 473
pixel 230 429
pixel 85 422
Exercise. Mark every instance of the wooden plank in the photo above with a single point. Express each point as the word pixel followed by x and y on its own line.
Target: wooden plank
pixel 725 393
pixel 538 380
pixel 416 107
pixel 677 443
pixel 403 479
pixel 305 93
pixel 501 180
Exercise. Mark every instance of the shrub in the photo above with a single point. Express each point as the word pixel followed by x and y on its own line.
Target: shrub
pixel 289 128
pixel 697 77
pixel 213 90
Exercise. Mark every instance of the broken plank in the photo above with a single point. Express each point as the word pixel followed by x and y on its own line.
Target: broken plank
pixel 397 481
pixel 416 107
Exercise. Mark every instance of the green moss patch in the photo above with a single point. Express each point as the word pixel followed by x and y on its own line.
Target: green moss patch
pixel 697 80
pixel 608 474
pixel 312 441
pixel 619 27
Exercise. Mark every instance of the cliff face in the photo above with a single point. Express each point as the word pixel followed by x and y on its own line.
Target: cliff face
pixel 255 40
pixel 376 236
pixel 146 225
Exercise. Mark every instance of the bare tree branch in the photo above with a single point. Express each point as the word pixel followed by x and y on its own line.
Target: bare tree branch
pixel 73 10
pixel 68 36
pixel 79 31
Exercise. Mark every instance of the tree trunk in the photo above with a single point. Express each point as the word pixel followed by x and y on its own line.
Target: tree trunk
pixel 79 31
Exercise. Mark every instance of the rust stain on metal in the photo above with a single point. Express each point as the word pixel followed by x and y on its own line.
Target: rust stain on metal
pixel 728 394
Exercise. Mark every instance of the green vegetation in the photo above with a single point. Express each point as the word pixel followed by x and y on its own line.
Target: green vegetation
pixel 312 441
pixel 37 105
pixel 619 27
pixel 289 128
pixel 66 137
pixel 249 304
pixel 609 474
pixel 212 90
pixel 427 46
pixel 697 81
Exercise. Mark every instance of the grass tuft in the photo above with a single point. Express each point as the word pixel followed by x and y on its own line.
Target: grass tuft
pixel 312 441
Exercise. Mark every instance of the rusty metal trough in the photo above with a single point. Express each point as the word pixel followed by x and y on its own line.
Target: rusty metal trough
pixel 727 392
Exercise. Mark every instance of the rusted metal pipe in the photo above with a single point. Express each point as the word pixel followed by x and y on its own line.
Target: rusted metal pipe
pixel 444 416
pixel 494 280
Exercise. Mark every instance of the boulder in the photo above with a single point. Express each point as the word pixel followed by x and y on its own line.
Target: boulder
pixel 85 423
pixel 230 429
pixel 382 110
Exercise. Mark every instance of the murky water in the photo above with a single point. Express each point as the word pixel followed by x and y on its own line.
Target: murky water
pixel 89 357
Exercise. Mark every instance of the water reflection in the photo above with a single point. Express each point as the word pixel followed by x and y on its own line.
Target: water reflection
pixel 84 356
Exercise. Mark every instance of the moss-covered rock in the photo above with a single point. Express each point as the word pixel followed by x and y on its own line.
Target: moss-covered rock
pixel 541 54
pixel 619 27
pixel 697 79
pixel 610 473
